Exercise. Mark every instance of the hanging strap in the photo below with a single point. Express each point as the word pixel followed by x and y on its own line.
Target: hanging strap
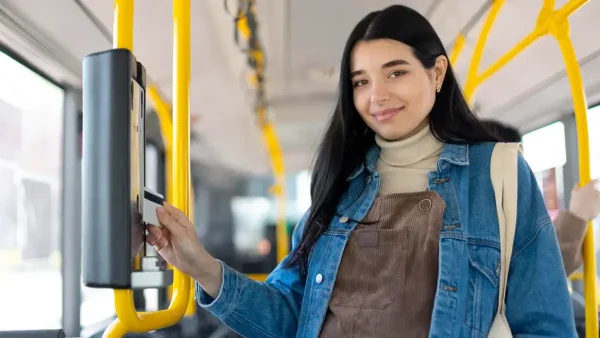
pixel 504 172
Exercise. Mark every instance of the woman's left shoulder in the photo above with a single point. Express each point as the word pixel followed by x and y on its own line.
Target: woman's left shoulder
pixel 480 154
pixel 531 209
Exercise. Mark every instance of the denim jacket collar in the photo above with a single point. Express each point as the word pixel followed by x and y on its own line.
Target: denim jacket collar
pixel 452 154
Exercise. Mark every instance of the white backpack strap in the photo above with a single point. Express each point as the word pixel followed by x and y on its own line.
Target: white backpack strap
pixel 504 172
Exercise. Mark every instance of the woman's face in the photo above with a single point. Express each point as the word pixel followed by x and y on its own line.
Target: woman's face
pixel 393 92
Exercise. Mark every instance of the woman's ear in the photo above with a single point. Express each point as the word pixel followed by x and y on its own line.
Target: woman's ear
pixel 440 67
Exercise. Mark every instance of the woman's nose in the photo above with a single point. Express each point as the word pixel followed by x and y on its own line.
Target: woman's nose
pixel 379 93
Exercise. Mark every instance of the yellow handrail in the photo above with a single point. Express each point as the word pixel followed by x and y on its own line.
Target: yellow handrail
pixel 553 22
pixel 268 131
pixel 559 28
pixel 472 80
pixel 123 24
pixel 128 319
pixel 163 111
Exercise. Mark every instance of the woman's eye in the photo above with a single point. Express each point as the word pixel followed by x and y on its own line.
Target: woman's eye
pixel 360 83
pixel 397 73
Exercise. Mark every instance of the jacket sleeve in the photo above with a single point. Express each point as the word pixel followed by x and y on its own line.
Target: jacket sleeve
pixel 570 230
pixel 538 302
pixel 255 309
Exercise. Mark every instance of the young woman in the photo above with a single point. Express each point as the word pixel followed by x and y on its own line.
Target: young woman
pixel 402 236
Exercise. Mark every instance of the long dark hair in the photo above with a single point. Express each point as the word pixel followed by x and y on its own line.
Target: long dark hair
pixel 348 138
pixel 505 131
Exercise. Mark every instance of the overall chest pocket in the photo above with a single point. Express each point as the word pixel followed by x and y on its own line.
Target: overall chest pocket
pixel 482 297
pixel 368 274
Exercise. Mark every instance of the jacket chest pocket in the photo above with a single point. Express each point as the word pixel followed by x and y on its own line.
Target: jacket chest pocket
pixel 482 297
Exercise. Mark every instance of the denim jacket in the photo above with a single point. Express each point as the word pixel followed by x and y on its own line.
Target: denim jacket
pixel 537 300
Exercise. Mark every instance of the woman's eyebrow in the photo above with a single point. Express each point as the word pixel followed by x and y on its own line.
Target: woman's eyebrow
pixel 389 64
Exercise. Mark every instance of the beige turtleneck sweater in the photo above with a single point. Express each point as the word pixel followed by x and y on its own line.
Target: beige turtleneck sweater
pixel 403 165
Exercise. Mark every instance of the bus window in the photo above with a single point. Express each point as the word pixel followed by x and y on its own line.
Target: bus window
pixel 31 122
pixel 594 137
pixel 545 151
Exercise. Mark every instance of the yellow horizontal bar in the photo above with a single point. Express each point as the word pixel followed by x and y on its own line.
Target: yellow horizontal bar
pixel 258 277
pixel 578 276
pixel 149 321
pixel 570 7
pixel 575 276
pixel 115 330
pixel 546 19
pixel 509 56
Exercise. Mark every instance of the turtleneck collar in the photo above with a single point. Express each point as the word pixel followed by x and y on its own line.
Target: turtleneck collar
pixel 417 148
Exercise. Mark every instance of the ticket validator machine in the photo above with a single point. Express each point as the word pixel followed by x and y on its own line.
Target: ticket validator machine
pixel 116 204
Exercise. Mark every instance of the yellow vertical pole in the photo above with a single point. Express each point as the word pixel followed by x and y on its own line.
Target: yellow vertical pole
pixel 123 38
pixel 123 24
pixel 181 128
pixel 561 31
pixel 128 319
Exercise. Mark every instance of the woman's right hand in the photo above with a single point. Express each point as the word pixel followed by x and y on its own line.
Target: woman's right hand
pixel 177 242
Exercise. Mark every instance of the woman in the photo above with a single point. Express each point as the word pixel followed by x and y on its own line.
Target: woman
pixel 402 235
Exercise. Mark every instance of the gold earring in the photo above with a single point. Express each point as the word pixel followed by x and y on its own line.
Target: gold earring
pixel 439 88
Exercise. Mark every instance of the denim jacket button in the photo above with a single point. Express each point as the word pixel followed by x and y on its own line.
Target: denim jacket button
pixel 344 219
pixel 319 278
